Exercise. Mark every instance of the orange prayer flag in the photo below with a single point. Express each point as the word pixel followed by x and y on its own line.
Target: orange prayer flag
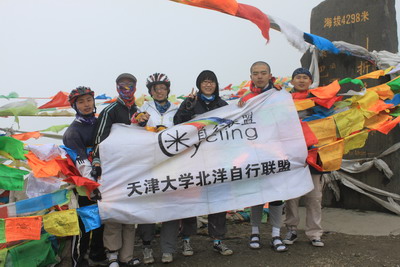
pixel 388 126
pixel 372 75
pixel 326 92
pixel 42 168
pixel 377 121
pixel 225 6
pixel 26 136
pixel 302 104
pixel 23 228
pixel 383 90
pixel 110 101
pixel 59 100
pixel 380 105
pixel 331 155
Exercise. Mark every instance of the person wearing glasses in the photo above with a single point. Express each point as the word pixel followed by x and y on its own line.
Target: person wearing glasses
pixel 118 238
pixel 156 116
pixel 206 99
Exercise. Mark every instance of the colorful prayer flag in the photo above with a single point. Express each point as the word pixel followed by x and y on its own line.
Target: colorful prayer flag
pixel 61 223
pixel 23 228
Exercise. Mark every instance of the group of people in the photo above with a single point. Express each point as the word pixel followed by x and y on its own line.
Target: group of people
pixel 113 244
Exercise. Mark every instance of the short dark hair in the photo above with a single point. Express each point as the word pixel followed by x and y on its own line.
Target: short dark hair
pixel 260 63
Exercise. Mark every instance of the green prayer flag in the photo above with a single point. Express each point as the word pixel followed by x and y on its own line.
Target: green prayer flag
pixel 34 253
pixel 13 147
pixel 23 108
pixel 10 95
pixel 55 128
pixel 394 85
pixel 396 112
pixel 354 81
pixel 3 256
pixel 2 231
pixel 11 178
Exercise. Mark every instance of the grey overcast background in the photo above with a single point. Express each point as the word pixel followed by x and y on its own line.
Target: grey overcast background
pixel 52 45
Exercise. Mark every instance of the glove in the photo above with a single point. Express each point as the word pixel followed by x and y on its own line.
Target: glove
pixel 95 195
pixel 190 103
pixel 96 172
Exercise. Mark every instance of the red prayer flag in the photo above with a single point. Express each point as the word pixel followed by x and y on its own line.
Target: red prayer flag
pixel 327 103
pixel 83 181
pixel 309 136
pixel 256 16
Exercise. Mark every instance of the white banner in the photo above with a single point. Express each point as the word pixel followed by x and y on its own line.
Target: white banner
pixel 225 159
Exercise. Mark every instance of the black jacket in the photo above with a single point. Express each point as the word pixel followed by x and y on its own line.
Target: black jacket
pixel 78 137
pixel 184 114
pixel 116 112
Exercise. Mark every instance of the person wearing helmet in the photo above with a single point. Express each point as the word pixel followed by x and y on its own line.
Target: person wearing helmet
pixel 206 99
pixel 78 137
pixel 158 115
pixel 118 238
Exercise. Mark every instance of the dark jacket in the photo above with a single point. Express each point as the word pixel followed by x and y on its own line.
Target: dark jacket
pixel 116 112
pixel 184 114
pixel 78 137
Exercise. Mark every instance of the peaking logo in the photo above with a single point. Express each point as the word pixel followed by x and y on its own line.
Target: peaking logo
pixel 181 137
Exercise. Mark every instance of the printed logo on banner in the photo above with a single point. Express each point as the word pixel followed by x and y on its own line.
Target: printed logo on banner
pixel 174 141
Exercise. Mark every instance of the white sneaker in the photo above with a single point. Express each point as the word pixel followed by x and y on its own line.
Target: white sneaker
pixel 317 243
pixel 167 258
pixel 290 238
pixel 187 249
pixel 148 256
pixel 222 249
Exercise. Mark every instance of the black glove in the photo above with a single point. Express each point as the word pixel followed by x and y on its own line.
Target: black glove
pixel 96 172
pixel 95 195
pixel 190 103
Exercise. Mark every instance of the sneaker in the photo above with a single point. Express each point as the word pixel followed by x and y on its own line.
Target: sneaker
pixel 222 249
pixel 167 258
pixel 112 259
pixel 148 256
pixel 317 243
pixel 290 238
pixel 187 249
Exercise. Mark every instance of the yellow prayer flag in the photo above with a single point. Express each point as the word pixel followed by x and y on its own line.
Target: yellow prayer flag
pixel 376 121
pixel 302 104
pixel 389 69
pixel 349 121
pixel 62 223
pixel 331 155
pixel 383 90
pixel 355 141
pixel 324 129
pixel 372 75
pixel 368 100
